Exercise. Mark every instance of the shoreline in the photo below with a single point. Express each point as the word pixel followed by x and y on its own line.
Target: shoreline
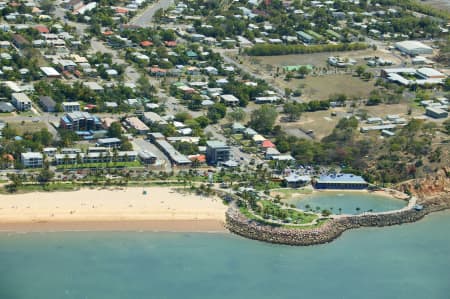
pixel 112 209
pixel 187 226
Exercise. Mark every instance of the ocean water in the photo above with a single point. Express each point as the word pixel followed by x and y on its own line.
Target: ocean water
pixel 348 202
pixel 408 261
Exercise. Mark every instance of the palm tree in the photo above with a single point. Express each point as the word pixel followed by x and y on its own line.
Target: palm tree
pixel 358 209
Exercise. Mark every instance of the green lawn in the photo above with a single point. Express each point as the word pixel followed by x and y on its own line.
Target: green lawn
pixel 100 165
pixel 249 215
pixel 276 212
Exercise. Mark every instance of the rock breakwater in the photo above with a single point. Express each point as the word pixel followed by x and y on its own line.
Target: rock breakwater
pixel 237 223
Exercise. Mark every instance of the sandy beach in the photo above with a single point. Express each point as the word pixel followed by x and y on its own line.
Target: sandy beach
pixel 113 209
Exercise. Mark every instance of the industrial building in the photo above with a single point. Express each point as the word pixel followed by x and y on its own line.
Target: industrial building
pixel 411 47
pixel 436 112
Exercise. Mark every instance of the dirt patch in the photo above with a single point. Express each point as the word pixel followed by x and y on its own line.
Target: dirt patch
pixel 322 87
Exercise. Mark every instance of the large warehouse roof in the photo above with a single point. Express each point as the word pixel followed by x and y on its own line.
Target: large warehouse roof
pixel 413 47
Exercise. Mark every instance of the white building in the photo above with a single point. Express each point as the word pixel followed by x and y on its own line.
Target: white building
pixel 71 106
pixel 32 159
pixel 21 101
pixel 411 47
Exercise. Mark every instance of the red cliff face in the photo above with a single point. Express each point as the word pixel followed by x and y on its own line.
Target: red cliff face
pixel 431 186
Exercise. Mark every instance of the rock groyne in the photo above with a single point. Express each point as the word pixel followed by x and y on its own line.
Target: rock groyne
pixel 237 223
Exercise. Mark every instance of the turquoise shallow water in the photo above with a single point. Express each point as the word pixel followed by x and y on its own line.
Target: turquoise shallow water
pixel 348 202
pixel 408 261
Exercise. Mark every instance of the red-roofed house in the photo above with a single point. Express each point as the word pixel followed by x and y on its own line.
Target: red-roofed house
pixel 121 10
pixel 158 72
pixel 42 29
pixel 108 33
pixel 170 43
pixel 90 107
pixel 146 43
pixel 267 144
pixel 199 158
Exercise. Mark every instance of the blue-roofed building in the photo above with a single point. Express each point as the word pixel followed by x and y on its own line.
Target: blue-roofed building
pixel 341 181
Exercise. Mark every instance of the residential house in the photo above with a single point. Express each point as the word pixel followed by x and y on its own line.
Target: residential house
pixel 137 124
pixel 47 103
pixel 229 99
pixel 6 107
pixel 21 101
pixel 71 106
pixel 32 159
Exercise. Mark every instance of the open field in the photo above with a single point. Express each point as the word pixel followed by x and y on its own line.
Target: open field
pixel 329 81
pixel 28 126
pixel 440 4
pixel 315 59
pixel 322 123
pixel 321 88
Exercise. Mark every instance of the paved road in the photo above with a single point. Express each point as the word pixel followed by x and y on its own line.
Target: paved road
pixel 145 18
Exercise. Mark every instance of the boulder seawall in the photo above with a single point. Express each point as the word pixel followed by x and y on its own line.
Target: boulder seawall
pixel 237 223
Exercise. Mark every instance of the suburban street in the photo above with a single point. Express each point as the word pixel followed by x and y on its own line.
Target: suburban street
pixel 145 18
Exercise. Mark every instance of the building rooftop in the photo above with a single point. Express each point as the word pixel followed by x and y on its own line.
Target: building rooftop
pixel 108 140
pixel 412 44
pixel 21 97
pixel 216 144
pixel 294 178
pixel 32 155
pixel 49 71
pixel 341 178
